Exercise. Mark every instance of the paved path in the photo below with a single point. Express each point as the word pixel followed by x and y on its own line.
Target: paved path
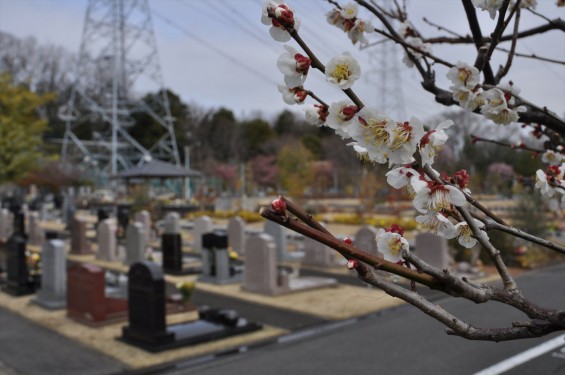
pixel 27 348
pixel 404 341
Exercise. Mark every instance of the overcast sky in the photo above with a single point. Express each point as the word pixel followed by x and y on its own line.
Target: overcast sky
pixel 236 66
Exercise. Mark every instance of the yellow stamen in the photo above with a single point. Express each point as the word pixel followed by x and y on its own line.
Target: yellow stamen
pixel 341 72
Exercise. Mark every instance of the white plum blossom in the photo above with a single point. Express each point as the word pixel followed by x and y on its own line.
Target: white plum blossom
pixel 551 181
pixel 373 132
pixel 391 246
pixel 341 116
pixel 401 176
pixel 437 197
pixel 357 32
pixel 419 45
pixel 468 99
pixel 491 5
pixel 349 10
pixel 343 71
pixel 280 17
pixel 497 107
pixel 553 158
pixel 294 66
pixel 464 233
pixel 463 75
pixel 295 95
pixel 432 142
pixel 436 223
pixel 316 114
pixel 405 138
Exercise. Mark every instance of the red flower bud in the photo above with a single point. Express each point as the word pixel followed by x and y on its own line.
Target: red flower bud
pixel 348 241
pixel 279 206
pixel 352 264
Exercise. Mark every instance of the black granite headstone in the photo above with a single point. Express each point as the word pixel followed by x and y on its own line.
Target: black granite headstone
pixel 171 248
pixel 123 214
pixel 18 281
pixel 216 240
pixel 146 305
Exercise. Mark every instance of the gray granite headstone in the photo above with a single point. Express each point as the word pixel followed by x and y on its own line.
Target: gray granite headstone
pixel 107 244
pixel 135 243
pixel 261 265
pixel 5 225
pixel 433 250
pixel 318 254
pixel 201 225
pixel 35 232
pixel 144 217
pixel 236 234
pixel 53 292
pixel 365 240
pixel 172 223
pixel 278 232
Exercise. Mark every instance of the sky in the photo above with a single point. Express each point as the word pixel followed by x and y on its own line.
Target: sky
pixel 216 53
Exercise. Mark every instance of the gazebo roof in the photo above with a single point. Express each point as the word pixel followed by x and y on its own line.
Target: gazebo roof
pixel 157 169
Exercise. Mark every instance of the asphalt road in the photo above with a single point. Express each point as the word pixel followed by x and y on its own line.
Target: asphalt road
pixel 405 341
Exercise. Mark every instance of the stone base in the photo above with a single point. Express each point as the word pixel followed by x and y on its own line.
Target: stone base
pixel 18 290
pixel 210 327
pixel 298 284
pixel 214 280
pixel 184 271
pixel 50 304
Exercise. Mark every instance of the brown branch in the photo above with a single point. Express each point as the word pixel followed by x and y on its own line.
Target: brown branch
pixel 348 251
pixel 519 233
pixel 532 56
pixel 316 98
pixel 476 139
pixel 503 71
pixel 477 39
pixel 495 38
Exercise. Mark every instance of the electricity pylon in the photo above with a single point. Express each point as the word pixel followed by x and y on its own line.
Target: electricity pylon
pixel 118 58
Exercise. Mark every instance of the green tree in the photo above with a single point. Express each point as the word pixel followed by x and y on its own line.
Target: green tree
pixel 255 134
pixel 294 166
pixel 21 129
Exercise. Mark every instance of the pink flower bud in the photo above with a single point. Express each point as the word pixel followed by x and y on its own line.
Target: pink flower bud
pixel 352 264
pixel 348 241
pixel 279 206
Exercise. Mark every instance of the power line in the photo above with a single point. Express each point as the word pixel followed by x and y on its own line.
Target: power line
pixel 215 49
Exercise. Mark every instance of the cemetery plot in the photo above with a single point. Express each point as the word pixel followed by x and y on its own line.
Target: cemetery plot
pixel 147 327
pixel 171 249
pixel 86 297
pixel 217 267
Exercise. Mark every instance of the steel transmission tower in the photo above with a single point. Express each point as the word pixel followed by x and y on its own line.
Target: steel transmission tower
pixel 118 54
pixel 384 57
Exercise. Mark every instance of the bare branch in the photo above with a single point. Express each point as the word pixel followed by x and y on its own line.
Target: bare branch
pixel 502 72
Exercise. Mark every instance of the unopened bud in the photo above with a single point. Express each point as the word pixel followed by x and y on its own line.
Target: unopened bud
pixel 279 206
pixel 348 241
pixel 352 264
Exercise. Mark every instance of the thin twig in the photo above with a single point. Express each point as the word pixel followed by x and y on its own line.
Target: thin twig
pixel 502 72
pixel 519 233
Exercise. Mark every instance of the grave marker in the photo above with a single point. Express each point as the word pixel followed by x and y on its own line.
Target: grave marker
pixel 201 225
pixel 135 243
pixel 217 267
pixel 144 217
pixel 236 234
pixel 79 242
pixel 107 243
pixel 53 292
pixel 86 297
pixel 433 250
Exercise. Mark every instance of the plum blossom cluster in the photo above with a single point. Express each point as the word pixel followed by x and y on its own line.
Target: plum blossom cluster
pixel 497 104
pixel 551 182
pixel 409 35
pixel 281 19
pixel 346 19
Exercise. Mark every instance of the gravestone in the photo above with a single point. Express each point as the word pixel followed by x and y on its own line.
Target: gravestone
pixel 278 232
pixel 146 306
pixel 433 249
pixel 147 327
pixel 262 275
pixel 318 254
pixel 217 268
pixel 18 281
pixel 5 225
pixel 365 240
pixel 144 217
pixel 201 225
pixel 53 292
pixel 107 243
pixel 135 243
pixel 172 223
pixel 122 216
pixel 35 232
pixel 236 234
pixel 261 266
pixel 79 242
pixel 86 297
pixel 102 214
